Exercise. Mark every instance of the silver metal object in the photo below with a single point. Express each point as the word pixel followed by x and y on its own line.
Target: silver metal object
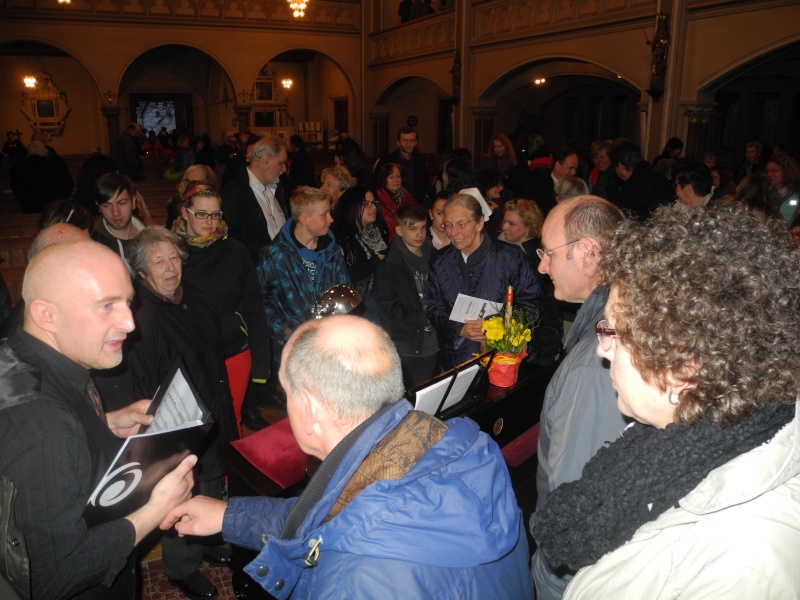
pixel 337 300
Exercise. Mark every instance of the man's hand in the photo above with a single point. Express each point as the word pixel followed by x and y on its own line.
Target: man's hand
pixel 126 421
pixel 198 516
pixel 173 489
pixel 473 330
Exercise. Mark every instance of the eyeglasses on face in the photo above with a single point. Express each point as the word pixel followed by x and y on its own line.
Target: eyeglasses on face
pixel 368 203
pixel 605 334
pixel 202 215
pixel 458 226
pixel 542 254
pixel 774 170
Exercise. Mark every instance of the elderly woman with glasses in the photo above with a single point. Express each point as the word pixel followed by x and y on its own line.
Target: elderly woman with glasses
pixel 335 182
pixel 474 265
pixel 699 497
pixel 220 267
pixel 173 318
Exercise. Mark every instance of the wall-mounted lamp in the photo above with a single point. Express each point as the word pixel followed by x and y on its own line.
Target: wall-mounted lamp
pixel 287 83
pixel 299 7
pixel 64 1
pixel 539 80
pixel 30 81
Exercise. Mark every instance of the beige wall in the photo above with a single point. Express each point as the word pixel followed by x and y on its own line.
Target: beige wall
pixel 82 130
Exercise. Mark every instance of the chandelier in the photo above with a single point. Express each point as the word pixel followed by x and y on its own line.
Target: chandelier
pixel 299 7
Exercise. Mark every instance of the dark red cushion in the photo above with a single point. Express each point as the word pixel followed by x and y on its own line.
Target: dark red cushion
pixel 274 452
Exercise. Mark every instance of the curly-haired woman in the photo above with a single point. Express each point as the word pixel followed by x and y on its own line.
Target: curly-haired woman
pixel 699 498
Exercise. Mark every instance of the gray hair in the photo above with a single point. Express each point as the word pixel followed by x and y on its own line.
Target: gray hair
pixel 569 187
pixel 267 145
pixel 591 216
pixel 468 202
pixel 143 244
pixel 354 380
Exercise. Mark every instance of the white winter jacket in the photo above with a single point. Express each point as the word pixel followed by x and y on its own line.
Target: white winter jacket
pixel 735 536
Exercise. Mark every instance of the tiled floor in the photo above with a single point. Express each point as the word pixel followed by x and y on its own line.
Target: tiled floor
pixel 156 587
pixel 154 581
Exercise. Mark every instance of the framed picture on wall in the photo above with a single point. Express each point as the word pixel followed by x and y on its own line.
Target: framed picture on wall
pixel 264 90
pixel 265 118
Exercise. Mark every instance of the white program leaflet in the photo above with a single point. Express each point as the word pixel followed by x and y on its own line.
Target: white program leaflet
pixel 469 307
pixel 428 398
pixel 178 406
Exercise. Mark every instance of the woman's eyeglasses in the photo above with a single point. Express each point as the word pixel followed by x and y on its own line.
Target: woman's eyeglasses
pixel 368 203
pixel 605 334
pixel 202 215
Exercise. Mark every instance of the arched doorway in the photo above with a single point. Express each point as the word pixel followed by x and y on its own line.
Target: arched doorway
pixel 305 92
pixel 179 87
pixel 564 101
pixel 759 100
pixel 414 102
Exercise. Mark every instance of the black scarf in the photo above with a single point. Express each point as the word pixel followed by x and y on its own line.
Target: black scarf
pixel 639 477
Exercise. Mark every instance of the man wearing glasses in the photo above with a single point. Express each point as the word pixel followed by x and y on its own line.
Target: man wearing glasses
pixel 580 411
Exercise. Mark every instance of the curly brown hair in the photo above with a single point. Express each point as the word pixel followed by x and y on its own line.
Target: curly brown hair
pixel 712 299
pixel 530 213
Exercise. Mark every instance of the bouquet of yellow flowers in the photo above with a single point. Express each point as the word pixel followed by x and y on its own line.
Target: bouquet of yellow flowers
pixel 508 340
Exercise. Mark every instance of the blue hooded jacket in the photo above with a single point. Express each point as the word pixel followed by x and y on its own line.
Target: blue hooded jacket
pixel 450 528
pixel 286 286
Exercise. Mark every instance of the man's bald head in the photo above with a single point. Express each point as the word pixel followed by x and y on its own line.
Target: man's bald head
pixel 347 362
pixel 76 296
pixel 58 232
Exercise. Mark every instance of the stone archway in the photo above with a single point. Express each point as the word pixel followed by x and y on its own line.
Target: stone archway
pixel 318 104
pixel 563 100
pixel 195 82
pixel 413 101
pixel 755 100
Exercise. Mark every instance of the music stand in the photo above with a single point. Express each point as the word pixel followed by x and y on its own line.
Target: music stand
pixel 449 388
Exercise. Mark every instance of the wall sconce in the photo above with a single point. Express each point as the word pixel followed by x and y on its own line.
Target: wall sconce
pixel 539 81
pixel 30 81
pixel 64 1
pixel 299 7
pixel 287 83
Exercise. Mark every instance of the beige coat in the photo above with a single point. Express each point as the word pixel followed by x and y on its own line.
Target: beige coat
pixel 736 535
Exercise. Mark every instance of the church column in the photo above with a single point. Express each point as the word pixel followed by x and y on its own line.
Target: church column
pixel 242 110
pixel 111 112
pixel 380 133
pixel 483 126
pixel 698 117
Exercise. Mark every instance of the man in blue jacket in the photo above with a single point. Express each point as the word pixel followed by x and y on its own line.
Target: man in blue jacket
pixel 403 504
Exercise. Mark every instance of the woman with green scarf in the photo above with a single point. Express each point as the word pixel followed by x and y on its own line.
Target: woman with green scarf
pixel 222 269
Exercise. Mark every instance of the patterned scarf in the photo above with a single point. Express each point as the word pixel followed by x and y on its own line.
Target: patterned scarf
pixel 200 241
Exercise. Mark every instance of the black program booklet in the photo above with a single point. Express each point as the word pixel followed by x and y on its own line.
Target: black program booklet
pixel 181 422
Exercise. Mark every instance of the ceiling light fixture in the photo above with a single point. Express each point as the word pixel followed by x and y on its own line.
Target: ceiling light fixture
pixel 299 7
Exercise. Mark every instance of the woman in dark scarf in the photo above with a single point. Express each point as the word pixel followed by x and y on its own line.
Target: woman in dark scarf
pixel 391 195
pixel 698 498
pixel 360 230
pixel 220 267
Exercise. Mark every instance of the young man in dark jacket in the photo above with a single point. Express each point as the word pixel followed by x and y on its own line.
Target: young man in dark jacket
pixel 399 282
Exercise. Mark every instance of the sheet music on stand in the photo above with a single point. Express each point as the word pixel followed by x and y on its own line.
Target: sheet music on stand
pixel 448 389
